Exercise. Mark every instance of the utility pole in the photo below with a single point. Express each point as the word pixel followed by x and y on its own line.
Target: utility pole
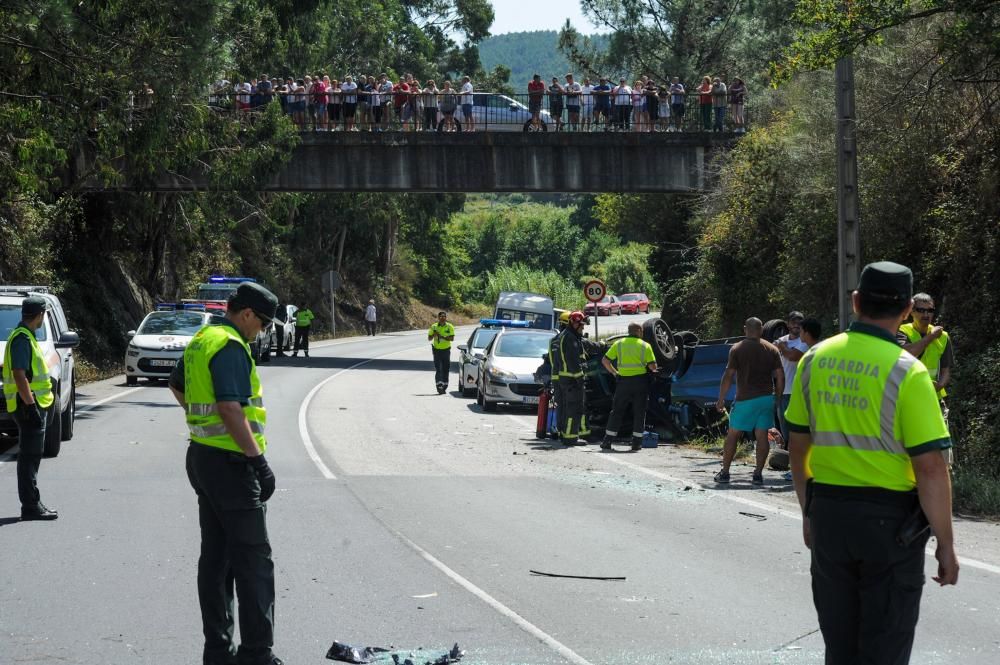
pixel 848 232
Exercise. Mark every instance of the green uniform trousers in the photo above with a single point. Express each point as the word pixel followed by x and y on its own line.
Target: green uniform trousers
pixel 866 585
pixel 235 551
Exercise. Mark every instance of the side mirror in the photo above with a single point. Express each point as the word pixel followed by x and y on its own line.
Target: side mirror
pixel 463 347
pixel 130 334
pixel 480 356
pixel 68 340
pixel 514 107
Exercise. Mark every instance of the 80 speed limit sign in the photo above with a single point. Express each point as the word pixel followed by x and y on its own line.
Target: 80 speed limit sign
pixel 594 290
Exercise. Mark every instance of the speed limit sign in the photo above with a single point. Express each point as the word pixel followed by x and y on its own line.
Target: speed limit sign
pixel 594 290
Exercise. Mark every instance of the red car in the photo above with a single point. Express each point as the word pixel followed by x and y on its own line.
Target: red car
pixel 634 303
pixel 606 306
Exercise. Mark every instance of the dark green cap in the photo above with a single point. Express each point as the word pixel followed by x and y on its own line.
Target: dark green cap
pixel 886 281
pixel 33 305
pixel 256 297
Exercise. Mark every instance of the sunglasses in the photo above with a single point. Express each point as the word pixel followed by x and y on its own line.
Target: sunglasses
pixel 924 310
pixel 266 324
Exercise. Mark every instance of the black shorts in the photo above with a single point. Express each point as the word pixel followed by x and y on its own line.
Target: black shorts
pixel 677 110
pixel 349 110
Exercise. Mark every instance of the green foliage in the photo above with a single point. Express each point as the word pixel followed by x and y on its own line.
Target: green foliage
pixel 626 270
pixel 564 292
pixel 528 53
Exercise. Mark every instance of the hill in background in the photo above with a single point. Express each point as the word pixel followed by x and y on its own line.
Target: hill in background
pixel 527 53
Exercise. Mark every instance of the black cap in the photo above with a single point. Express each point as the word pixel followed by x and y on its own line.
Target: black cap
pixel 886 281
pixel 33 306
pixel 795 315
pixel 260 300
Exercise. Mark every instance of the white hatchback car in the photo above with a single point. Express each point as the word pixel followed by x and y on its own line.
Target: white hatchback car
pixel 507 373
pixel 159 342
pixel 57 342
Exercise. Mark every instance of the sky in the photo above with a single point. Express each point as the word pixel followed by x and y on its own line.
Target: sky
pixel 526 15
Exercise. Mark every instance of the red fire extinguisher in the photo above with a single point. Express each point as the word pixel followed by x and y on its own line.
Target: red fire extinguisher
pixel 541 424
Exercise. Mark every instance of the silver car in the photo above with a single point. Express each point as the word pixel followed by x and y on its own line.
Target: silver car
pixel 159 342
pixel 507 372
pixel 499 113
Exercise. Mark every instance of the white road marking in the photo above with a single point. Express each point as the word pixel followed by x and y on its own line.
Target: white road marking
pixel 520 621
pixel 795 515
pixel 10 454
pixel 304 427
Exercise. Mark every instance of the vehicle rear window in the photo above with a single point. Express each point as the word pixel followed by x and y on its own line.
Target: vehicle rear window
pixel 628 298
pixel 10 316
pixel 172 323
pixel 483 338
pixel 523 346
pixel 543 321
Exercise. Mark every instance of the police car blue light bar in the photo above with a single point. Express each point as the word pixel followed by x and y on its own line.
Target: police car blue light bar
pixel 505 323
pixel 221 279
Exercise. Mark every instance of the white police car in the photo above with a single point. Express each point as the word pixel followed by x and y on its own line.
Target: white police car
pixel 159 341
pixel 57 342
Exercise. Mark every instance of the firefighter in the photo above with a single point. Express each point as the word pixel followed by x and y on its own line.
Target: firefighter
pixel 631 359
pixel 572 359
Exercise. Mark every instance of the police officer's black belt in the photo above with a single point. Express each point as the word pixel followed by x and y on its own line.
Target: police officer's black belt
pixel 873 494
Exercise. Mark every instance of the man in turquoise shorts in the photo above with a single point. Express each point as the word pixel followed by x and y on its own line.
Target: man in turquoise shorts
pixel 756 365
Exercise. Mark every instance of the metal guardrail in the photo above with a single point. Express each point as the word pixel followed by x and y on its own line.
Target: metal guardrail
pixel 450 111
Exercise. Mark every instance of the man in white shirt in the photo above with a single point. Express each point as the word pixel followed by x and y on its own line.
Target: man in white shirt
pixel 791 347
pixel 370 318
pixel 350 91
pixel 587 105
pixel 467 103
pixel 573 92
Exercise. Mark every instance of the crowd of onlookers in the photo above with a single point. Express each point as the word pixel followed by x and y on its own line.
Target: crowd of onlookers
pixel 376 103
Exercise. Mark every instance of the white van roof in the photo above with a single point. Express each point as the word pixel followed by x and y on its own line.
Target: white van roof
pixel 518 299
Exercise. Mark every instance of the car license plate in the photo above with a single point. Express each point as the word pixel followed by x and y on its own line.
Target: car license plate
pixel 529 400
pixel 162 363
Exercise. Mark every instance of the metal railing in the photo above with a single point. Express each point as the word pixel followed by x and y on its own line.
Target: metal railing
pixel 450 111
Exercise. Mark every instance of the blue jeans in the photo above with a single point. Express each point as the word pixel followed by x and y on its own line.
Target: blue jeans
pixel 720 116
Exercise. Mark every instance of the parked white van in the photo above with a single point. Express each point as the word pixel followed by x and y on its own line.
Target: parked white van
pixel 532 307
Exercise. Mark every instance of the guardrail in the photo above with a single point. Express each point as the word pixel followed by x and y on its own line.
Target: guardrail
pixel 450 111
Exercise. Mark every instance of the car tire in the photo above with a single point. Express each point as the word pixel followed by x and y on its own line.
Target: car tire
pixel 542 127
pixel 69 415
pixel 265 353
pixel 686 342
pixel 131 380
pixel 657 333
pixel 489 407
pixel 53 429
pixel 774 329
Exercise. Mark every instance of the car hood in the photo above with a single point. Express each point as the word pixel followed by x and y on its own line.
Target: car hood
pixel 161 342
pixel 519 366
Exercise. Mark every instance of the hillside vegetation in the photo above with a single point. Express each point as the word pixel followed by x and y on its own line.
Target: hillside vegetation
pixel 528 53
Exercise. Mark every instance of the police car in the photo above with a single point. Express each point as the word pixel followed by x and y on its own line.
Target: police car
pixel 507 370
pixel 470 353
pixel 159 342
pixel 57 342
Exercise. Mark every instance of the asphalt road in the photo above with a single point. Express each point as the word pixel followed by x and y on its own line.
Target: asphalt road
pixel 412 519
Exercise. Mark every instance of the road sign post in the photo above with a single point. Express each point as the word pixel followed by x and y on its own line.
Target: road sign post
pixel 594 291
pixel 332 282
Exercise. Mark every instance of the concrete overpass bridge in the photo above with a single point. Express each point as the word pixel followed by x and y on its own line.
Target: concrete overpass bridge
pixel 479 162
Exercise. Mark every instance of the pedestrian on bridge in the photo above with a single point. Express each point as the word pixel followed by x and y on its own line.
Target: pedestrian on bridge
pixel 217 384
pixel 27 391
pixel 632 360
pixel 303 324
pixel 441 335
pixel 865 452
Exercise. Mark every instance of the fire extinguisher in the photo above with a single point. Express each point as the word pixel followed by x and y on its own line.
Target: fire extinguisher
pixel 541 423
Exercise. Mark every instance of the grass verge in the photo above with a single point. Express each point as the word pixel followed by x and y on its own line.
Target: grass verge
pixel 975 493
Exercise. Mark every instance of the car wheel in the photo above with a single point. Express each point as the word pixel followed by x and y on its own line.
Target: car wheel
pixel 265 352
pixel 489 407
pixel 131 381
pixel 657 333
pixel 541 127
pixel 53 429
pixel 69 415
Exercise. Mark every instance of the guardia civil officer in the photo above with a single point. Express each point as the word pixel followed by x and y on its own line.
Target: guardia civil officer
pixel 303 324
pixel 866 436
pixel 441 335
pixel 631 359
pixel 27 391
pixel 216 382
pixel 571 361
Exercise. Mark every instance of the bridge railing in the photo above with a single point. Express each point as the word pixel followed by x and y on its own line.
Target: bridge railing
pixel 451 111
